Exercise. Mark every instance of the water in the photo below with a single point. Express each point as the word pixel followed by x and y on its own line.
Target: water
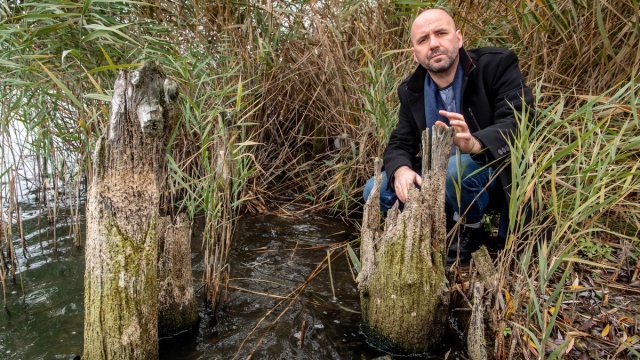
pixel 43 316
pixel 272 258
pixel 270 313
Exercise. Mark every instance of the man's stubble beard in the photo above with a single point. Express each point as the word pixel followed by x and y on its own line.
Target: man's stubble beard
pixel 442 68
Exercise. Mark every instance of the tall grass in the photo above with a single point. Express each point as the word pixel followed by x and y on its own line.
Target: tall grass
pixel 59 61
pixel 209 154
pixel 582 178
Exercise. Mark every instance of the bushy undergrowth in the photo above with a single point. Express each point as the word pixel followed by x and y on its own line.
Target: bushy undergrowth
pixel 291 102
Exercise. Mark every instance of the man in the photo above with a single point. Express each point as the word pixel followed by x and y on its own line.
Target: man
pixel 477 92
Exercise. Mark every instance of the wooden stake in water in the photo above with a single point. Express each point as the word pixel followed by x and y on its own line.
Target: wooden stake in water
pixel 404 291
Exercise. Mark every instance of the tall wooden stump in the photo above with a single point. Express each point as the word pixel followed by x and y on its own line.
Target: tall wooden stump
pixel 404 291
pixel 121 291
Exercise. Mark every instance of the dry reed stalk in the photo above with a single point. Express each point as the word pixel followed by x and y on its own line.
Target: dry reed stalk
pixel 53 218
pixel 3 264
pixel 8 228
pixel 14 201
pixel 74 211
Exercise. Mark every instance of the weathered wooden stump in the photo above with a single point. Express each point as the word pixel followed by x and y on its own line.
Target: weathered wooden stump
pixel 177 306
pixel 121 277
pixel 404 292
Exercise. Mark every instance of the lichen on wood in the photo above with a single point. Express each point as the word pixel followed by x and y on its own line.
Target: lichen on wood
pixel 403 287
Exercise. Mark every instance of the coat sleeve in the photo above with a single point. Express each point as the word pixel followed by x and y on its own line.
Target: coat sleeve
pixel 510 96
pixel 404 142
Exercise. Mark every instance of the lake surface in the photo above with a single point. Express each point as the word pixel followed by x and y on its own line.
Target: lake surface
pixel 43 315
pixel 269 312
pixel 283 300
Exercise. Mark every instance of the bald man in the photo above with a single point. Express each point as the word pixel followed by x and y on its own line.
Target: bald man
pixel 478 92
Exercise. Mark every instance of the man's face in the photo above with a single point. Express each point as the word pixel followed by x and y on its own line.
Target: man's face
pixel 436 41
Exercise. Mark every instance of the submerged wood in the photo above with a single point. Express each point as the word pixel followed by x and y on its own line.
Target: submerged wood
pixel 121 276
pixel 404 291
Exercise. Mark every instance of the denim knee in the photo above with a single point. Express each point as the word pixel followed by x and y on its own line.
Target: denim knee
pixel 456 173
pixel 368 187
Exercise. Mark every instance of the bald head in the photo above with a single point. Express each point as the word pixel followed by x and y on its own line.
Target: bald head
pixel 436 43
pixel 431 16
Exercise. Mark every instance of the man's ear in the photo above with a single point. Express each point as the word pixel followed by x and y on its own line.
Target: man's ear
pixel 459 36
pixel 413 51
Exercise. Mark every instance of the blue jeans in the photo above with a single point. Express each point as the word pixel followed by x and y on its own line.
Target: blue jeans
pixel 464 174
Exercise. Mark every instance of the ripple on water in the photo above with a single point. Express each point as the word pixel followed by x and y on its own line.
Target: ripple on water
pixel 268 309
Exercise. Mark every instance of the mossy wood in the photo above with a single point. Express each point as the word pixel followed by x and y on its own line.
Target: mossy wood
pixel 404 291
pixel 123 219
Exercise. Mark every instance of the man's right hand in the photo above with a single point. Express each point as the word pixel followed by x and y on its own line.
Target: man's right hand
pixel 404 177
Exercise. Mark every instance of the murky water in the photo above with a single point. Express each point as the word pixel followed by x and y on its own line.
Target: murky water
pixel 281 301
pixel 43 315
pixel 284 302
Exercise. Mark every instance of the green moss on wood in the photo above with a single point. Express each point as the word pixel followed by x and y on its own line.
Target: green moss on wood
pixel 402 297
pixel 124 294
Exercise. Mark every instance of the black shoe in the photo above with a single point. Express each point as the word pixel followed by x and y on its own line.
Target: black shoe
pixel 469 241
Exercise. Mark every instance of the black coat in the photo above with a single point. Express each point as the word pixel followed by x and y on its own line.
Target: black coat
pixel 493 90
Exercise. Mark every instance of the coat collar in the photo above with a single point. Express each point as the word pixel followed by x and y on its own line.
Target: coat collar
pixel 415 84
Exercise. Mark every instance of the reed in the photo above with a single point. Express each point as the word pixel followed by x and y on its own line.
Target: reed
pixel 583 182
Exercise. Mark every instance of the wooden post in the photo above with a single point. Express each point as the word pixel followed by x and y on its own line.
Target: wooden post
pixel 121 281
pixel 404 291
